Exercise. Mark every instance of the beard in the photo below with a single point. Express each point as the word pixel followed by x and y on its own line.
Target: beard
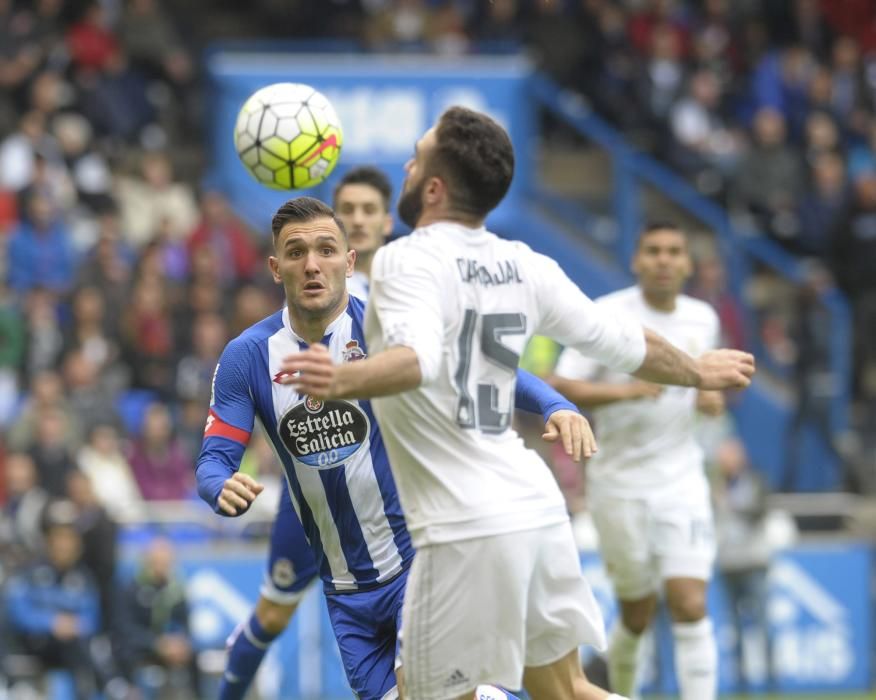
pixel 410 204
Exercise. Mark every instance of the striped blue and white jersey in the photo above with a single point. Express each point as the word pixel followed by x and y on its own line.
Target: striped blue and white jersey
pixel 332 452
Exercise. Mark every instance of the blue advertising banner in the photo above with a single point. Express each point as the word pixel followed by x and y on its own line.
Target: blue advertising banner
pixel 385 104
pixel 819 608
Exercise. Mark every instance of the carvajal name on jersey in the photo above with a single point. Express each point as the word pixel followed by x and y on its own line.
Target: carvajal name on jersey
pixel 324 434
pixel 504 272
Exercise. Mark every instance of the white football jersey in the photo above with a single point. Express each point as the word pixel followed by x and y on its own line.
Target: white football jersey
pixel 467 302
pixel 647 443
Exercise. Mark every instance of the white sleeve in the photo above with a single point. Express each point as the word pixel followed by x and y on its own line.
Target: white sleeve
pixel 573 365
pixel 609 336
pixel 406 298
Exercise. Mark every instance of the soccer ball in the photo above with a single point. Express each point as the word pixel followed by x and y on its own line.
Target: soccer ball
pixel 288 136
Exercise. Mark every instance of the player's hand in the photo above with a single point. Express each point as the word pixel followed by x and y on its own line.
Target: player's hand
pixel 574 431
pixel 710 403
pixel 643 390
pixel 725 369
pixel 238 493
pixel 310 372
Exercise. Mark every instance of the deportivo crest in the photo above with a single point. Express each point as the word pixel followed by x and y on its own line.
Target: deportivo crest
pixel 353 352
pixel 324 434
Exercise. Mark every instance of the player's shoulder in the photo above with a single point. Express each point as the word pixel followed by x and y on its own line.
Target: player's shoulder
pixel 253 337
pixel 626 297
pixel 418 247
pixel 696 309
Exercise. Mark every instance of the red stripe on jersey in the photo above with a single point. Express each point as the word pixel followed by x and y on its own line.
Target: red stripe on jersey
pixel 216 427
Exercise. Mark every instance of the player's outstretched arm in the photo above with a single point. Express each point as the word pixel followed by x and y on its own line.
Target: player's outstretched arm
pixel 715 370
pixel 593 394
pixel 313 372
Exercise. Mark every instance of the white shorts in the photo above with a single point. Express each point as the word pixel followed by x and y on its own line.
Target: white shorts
pixel 644 541
pixel 480 610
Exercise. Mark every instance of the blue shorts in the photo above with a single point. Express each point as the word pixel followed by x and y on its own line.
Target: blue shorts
pixel 291 564
pixel 366 626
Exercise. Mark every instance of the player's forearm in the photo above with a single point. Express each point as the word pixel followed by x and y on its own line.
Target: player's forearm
pixel 537 396
pixel 390 372
pixel 590 394
pixel 666 364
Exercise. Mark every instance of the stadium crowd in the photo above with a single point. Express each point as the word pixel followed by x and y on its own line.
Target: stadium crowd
pixel 121 282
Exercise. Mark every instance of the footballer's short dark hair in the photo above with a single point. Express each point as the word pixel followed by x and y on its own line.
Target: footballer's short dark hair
pixel 474 156
pixel 367 175
pixel 304 209
pixel 660 225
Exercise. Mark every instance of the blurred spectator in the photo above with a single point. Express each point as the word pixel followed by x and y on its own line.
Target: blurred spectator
pixel 399 25
pixel 154 624
pixel 662 78
pixel 163 470
pixel 654 16
pixel 44 340
pixel 88 334
pixel 194 373
pixel 90 41
pixel 116 100
pixel 769 181
pixel 555 42
pixel 89 170
pixel 12 347
pixel 103 461
pixel 710 285
pixel 40 252
pixel 153 42
pixel 862 156
pixel 99 534
pixel 46 395
pixel 19 56
pixel 21 519
pixel 708 149
pixel 251 304
pixel 147 201
pixel 850 90
pixel 814 382
pixel 52 606
pixel 52 452
pixel 497 21
pixel 854 250
pixel 744 549
pixel 235 253
pixel 148 336
pixel 781 83
pixel 90 393
pixel 107 267
pixel 819 212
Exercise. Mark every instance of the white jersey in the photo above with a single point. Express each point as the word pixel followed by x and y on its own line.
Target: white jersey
pixel 467 302
pixel 647 443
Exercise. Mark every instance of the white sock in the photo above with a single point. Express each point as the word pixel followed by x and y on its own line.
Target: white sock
pixel 623 659
pixel 696 659
pixel 615 696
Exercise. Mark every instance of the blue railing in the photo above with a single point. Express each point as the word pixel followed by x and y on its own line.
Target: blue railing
pixel 739 248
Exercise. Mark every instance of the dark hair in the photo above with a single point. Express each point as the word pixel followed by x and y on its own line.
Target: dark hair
pixel 367 175
pixel 660 225
pixel 475 158
pixel 304 209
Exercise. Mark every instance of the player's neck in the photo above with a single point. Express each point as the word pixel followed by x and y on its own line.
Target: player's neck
pixel 664 303
pixel 363 264
pixel 311 329
pixel 427 218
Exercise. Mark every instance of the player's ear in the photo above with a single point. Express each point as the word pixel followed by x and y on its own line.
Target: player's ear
pixel 351 262
pixel 387 225
pixel 274 267
pixel 435 190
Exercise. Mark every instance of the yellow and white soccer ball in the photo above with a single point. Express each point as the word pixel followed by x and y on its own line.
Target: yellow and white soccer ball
pixel 288 136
